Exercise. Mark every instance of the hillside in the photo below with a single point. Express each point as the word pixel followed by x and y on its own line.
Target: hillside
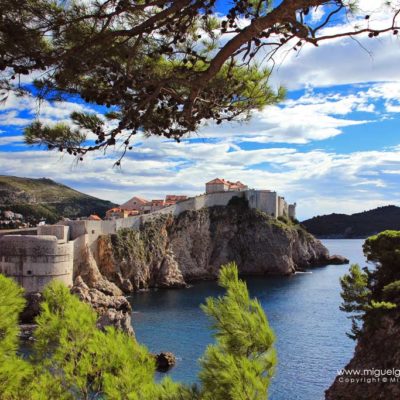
pixel 44 198
pixel 358 225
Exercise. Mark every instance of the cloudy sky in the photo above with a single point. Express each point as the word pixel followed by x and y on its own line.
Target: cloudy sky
pixel 332 146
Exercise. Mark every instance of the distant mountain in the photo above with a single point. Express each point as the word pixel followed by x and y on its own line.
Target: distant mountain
pixel 358 225
pixel 44 198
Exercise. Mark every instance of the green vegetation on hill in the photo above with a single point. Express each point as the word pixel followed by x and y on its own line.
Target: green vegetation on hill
pixel 358 225
pixel 44 198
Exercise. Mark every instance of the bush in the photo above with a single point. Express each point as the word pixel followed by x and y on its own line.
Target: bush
pixel 239 202
pixel 367 295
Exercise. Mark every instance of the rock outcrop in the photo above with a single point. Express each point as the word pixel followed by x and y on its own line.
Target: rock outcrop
pixel 173 251
pixel 113 309
pixel 377 350
pixel 338 260
pixel 165 361
pixel 374 371
pixel 170 252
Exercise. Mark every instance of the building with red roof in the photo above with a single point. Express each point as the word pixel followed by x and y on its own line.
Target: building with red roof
pixel 222 185
pixel 94 217
pixel 136 203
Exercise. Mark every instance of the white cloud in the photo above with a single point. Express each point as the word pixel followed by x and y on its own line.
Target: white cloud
pixel 312 117
pixel 21 110
pixel 319 181
pixel 345 60
pixel 7 140
pixel 317 14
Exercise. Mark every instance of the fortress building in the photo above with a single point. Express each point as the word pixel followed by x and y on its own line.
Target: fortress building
pixel 35 260
pixel 59 250
pixel 221 185
pixel 264 200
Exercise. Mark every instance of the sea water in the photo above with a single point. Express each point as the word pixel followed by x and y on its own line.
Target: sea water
pixel 302 309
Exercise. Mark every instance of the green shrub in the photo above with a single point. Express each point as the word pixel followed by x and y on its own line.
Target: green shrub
pixel 72 359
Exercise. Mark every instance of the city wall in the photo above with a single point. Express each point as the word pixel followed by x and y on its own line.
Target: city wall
pixel 58 250
pixel 34 261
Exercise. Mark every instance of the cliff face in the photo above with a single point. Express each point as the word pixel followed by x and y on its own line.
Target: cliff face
pixel 377 349
pixel 172 251
pixel 374 371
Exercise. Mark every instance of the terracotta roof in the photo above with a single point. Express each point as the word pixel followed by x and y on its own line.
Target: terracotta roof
pixel 116 209
pixel 157 202
pixel 141 199
pixel 94 217
pixel 237 184
pixel 136 199
pixel 174 197
pixel 217 180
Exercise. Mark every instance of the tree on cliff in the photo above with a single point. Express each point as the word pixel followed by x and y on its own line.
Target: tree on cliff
pixel 162 67
pixel 72 359
pixel 369 294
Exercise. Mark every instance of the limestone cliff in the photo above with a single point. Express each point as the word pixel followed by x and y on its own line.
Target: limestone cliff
pixel 172 251
pixel 374 371
pixel 377 350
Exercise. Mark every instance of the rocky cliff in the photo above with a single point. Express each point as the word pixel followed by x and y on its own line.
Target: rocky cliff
pixel 374 371
pixel 377 350
pixel 172 251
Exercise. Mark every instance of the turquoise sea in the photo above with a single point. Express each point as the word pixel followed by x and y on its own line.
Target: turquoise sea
pixel 302 309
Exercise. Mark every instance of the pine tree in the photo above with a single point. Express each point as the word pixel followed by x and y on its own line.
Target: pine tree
pixel 14 371
pixel 72 359
pixel 366 293
pixel 241 363
pixel 356 297
pixel 163 67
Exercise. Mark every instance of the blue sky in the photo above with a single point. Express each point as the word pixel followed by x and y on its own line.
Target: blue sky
pixel 332 146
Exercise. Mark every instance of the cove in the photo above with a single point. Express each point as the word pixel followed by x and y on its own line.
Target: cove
pixel 303 310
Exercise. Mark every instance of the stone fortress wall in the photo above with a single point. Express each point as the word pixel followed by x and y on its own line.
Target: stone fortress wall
pixel 34 261
pixel 57 250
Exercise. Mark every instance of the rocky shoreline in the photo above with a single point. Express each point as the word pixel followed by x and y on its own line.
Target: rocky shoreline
pixel 171 252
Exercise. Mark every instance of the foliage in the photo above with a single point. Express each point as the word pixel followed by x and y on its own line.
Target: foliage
pixel 368 294
pixel 14 371
pixel 241 363
pixel 392 291
pixel 72 359
pixel 59 136
pixel 162 67
pixel 384 247
pixel 358 225
pixel 240 202
pixel 356 297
